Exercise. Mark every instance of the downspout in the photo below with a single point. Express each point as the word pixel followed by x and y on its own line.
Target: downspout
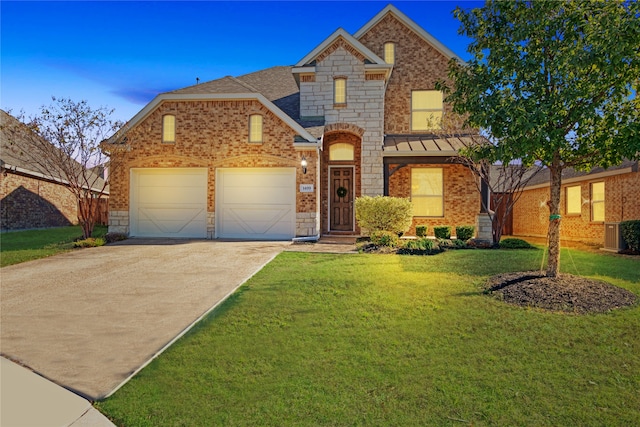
pixel 306 238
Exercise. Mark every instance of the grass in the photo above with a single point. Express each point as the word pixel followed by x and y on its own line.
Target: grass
pixel 21 246
pixel 373 340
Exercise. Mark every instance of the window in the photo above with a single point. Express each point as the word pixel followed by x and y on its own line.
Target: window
pixel 341 151
pixel 340 91
pixel 255 128
pixel 169 128
pixel 427 192
pixel 574 200
pixel 597 201
pixel 390 53
pixel 426 109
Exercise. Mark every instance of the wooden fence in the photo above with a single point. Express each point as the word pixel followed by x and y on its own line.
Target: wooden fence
pixel 101 206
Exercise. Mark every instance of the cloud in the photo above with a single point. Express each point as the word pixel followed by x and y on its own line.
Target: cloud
pixel 140 96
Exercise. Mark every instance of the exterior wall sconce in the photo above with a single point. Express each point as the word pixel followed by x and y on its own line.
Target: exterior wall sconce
pixel 303 164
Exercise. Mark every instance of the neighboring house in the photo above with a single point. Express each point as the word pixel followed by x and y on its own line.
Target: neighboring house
pixel 590 201
pixel 283 152
pixel 29 196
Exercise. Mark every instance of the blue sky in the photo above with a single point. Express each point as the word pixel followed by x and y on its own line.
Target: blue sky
pixel 122 54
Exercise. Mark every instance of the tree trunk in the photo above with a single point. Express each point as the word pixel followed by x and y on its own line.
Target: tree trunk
pixel 553 266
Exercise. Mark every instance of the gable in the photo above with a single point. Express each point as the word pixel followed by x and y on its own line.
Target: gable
pixel 340 38
pixel 392 11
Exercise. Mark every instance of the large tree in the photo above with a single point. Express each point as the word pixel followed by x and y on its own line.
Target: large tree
pixel 554 83
pixel 63 142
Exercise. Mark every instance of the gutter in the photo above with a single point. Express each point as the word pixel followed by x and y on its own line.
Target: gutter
pixel 35 174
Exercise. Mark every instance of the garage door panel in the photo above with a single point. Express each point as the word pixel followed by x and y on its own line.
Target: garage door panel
pixel 255 203
pixel 169 202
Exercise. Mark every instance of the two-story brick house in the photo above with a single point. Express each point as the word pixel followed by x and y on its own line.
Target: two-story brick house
pixel 284 152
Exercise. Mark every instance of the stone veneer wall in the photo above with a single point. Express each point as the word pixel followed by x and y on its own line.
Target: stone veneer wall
pixel 417 67
pixel 364 107
pixel 531 213
pixel 211 134
pixel 28 202
pixel 461 198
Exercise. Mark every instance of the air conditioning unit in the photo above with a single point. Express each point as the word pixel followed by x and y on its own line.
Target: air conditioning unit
pixel 613 240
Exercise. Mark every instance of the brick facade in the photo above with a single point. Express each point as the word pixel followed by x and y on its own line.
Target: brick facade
pixel 29 202
pixel 418 66
pixel 212 134
pixel 531 214
pixel 461 198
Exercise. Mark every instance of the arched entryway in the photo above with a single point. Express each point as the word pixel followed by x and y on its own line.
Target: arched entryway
pixel 340 181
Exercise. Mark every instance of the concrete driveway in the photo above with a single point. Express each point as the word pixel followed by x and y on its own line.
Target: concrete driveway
pixel 88 319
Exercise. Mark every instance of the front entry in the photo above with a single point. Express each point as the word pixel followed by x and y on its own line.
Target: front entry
pixel 341 199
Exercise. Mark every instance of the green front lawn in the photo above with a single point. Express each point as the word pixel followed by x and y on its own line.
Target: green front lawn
pixel 387 340
pixel 21 246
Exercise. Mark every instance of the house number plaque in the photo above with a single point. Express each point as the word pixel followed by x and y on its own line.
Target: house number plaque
pixel 306 188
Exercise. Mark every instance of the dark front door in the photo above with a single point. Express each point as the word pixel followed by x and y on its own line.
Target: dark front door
pixel 341 199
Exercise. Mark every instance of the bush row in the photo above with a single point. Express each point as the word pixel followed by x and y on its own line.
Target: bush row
pixel 463 232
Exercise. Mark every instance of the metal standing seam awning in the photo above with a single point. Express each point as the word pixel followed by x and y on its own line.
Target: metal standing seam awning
pixel 403 150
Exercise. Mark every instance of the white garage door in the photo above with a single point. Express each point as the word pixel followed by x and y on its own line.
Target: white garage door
pixel 169 202
pixel 255 203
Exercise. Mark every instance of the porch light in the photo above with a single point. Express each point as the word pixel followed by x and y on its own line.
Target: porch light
pixel 303 164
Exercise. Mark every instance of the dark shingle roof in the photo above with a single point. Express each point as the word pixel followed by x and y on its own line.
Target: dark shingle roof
pixel 543 176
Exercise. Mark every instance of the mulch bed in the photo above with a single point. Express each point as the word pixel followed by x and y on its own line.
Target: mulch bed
pixel 565 293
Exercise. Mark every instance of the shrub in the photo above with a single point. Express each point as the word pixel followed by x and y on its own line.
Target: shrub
pixel 465 232
pixel 442 232
pixel 460 244
pixel 90 242
pixel 421 230
pixel 631 234
pixel 512 243
pixel 419 244
pixel 381 213
pixel 384 238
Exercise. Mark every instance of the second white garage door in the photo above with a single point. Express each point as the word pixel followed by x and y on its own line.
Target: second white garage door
pixel 255 203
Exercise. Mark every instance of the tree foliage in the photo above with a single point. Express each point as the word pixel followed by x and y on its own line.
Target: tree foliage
pixel 63 142
pixel 554 83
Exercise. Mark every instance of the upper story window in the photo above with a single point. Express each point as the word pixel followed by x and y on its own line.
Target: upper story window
pixel 597 201
pixel 427 191
pixel 341 151
pixel 169 128
pixel 340 90
pixel 574 200
pixel 255 128
pixel 426 110
pixel 390 53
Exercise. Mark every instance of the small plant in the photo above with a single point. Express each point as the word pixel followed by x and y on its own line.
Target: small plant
pixel 465 232
pixel 421 230
pixel 442 232
pixel 385 238
pixel 460 244
pixel 419 244
pixel 513 243
pixel 631 234
pixel 90 242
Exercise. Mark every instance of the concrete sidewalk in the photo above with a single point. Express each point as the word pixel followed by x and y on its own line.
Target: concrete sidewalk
pixel 27 399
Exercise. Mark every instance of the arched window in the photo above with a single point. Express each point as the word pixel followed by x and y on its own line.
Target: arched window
pixel 169 128
pixel 255 128
pixel 341 151
pixel 390 53
pixel 340 90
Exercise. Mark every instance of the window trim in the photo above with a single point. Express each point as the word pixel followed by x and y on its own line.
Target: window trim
pixel 426 110
pixel 392 47
pixel 566 196
pixel 251 129
pixel 440 196
pixel 164 130
pixel 335 91
pixel 593 202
